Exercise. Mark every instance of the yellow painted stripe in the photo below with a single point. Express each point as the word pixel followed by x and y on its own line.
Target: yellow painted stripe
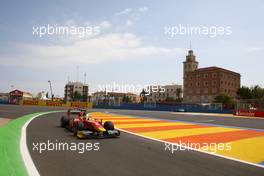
pixel 149 124
pixel 186 132
pixel 109 117
pixel 205 114
pixel 251 150
pixel 134 120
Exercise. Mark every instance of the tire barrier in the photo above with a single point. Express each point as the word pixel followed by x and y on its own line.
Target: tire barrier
pixel 57 103
pixel 249 113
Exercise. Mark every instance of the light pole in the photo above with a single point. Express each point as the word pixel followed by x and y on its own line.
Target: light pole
pixel 50 90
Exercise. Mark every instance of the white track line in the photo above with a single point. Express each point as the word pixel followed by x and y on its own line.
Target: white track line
pixel 30 166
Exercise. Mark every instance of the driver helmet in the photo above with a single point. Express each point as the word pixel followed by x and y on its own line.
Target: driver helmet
pixel 80 114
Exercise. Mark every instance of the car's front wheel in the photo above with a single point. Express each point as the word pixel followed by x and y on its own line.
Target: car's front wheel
pixel 78 127
pixel 108 125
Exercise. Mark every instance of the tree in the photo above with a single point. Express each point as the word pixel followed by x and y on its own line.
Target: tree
pixel 178 93
pixel 126 99
pixel 169 99
pixel 143 97
pixel 257 92
pixel 77 96
pixel 224 99
pixel 244 93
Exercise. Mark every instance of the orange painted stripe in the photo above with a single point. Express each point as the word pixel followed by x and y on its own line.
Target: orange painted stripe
pixel 217 137
pixel 102 116
pixel 161 128
pixel 110 118
pixel 136 122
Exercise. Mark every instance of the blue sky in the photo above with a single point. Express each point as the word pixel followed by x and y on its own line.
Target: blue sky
pixel 132 47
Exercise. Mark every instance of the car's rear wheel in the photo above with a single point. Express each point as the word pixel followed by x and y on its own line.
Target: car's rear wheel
pixel 64 121
pixel 108 125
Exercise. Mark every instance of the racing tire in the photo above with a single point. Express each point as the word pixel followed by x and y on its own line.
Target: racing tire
pixel 64 121
pixel 78 127
pixel 108 125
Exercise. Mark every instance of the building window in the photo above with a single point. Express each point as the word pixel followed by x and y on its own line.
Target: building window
pixel 205 83
pixel 206 90
pixel 214 75
pixel 214 90
pixel 214 83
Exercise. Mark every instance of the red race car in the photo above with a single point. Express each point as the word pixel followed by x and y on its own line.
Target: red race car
pixel 84 126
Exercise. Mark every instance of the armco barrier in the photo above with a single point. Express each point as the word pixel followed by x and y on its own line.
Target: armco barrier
pixel 56 103
pixel 164 107
pixel 4 102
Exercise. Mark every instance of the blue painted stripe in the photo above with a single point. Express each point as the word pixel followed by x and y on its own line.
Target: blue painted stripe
pixel 262 163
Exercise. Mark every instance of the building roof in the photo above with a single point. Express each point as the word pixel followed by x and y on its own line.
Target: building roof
pixel 113 93
pixel 214 68
pixel 76 83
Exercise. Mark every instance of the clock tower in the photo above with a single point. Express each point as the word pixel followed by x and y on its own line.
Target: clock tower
pixel 189 65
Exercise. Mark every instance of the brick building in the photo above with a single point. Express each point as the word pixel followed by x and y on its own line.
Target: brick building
pixel 201 85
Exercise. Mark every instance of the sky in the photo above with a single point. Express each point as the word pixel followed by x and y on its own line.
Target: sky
pixel 129 42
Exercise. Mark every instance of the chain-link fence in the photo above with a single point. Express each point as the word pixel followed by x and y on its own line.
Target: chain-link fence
pixel 251 104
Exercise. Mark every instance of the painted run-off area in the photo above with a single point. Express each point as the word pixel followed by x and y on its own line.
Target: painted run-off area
pixel 246 144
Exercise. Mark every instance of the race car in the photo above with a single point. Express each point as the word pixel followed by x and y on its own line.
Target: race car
pixel 84 126
pixel 66 121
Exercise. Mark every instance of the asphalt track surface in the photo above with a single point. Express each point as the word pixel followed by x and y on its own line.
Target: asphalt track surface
pixel 127 155
pixel 15 111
